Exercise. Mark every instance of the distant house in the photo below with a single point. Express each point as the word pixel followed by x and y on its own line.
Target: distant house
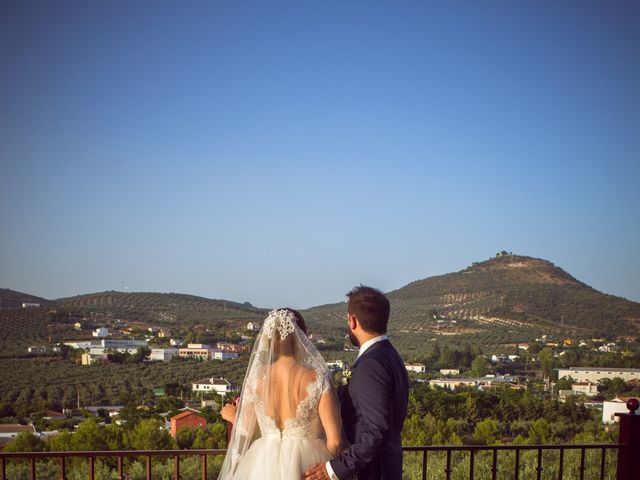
pixel 187 418
pixel 9 431
pixel 100 332
pixel 37 349
pixel 318 338
pixel 81 344
pixel 415 367
pixel 217 385
pixel 253 326
pixel 453 383
pixel 162 354
pixel 30 305
pixel 481 382
pixel 77 326
pixel 89 358
pixel 175 342
pixel 585 388
pixel 611 407
pixel 53 415
pixel 581 388
pixel 231 347
pixel 595 374
pixel 195 350
pixel 499 358
pixel 450 371
pixel 217 354
pixel 112 410
pixel 336 366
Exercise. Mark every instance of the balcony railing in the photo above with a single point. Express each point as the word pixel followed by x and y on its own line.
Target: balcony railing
pixel 619 461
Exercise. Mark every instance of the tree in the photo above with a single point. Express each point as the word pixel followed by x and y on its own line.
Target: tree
pixel 148 434
pixel 142 354
pixel 470 409
pixel 479 366
pixel 25 442
pixel 564 383
pixel 614 386
pixel 211 436
pixel 89 436
pixel 541 432
pixel 545 357
pixel 185 437
pixel 487 432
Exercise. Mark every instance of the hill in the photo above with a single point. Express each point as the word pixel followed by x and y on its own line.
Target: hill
pixel 12 299
pixel 506 298
pixel 54 320
pixel 163 308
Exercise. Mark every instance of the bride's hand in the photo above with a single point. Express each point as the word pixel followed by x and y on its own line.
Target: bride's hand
pixel 316 472
pixel 228 412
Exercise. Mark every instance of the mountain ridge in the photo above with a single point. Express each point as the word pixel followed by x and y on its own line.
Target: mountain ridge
pixel 523 295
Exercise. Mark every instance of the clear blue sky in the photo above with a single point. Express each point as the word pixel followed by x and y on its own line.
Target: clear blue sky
pixel 282 152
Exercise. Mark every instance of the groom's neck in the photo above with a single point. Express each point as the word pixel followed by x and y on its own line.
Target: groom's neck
pixel 366 336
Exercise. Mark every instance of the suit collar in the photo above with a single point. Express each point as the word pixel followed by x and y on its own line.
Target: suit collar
pixel 372 348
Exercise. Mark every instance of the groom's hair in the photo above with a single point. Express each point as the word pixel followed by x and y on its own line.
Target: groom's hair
pixel 371 307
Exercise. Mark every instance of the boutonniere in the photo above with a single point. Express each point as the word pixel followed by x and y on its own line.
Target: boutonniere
pixel 346 376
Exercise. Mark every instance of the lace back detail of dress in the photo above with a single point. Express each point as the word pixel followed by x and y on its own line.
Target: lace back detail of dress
pixel 306 421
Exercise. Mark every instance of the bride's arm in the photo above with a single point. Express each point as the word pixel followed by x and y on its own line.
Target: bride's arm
pixel 330 417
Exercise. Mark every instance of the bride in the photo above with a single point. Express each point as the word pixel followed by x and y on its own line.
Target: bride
pixel 288 417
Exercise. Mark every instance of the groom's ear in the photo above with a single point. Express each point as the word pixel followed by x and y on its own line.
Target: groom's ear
pixel 352 320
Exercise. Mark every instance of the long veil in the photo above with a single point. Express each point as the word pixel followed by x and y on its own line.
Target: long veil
pixel 285 372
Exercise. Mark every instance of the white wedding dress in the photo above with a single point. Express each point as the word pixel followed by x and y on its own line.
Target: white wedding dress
pixel 287 453
pixel 287 406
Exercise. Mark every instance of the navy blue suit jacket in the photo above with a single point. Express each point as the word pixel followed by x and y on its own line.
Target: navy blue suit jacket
pixel 373 407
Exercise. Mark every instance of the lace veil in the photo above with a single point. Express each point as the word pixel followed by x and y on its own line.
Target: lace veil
pixel 285 379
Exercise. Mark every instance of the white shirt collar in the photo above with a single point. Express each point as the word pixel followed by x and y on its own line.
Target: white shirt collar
pixel 368 343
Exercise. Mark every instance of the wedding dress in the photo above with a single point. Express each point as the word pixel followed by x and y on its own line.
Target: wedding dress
pixel 287 410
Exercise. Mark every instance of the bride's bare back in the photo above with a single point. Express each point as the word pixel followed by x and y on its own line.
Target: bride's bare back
pixel 288 388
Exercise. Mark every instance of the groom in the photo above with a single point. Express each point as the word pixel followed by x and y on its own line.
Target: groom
pixel 373 404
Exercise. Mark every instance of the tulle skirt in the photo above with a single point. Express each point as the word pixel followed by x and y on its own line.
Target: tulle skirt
pixel 275 458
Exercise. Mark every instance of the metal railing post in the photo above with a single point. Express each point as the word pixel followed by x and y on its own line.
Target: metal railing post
pixel 629 436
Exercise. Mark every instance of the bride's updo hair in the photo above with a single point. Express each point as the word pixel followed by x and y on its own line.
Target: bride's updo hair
pixel 299 319
pixel 286 346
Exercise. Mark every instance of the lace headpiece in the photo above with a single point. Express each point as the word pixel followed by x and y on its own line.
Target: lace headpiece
pixel 281 320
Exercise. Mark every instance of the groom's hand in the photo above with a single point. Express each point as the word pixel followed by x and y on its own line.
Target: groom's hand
pixel 317 472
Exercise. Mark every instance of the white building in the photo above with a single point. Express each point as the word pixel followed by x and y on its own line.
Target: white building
pixel 100 332
pixel 162 354
pixel 450 371
pixel 37 349
pixel 489 380
pixel 595 374
pixel 82 344
pixel 9 431
pixel 90 358
pixel 218 354
pixel 30 305
pixel 217 385
pixel 122 346
pixel 336 366
pixel 585 388
pixel 415 367
pixel 611 407
pixel 253 326
pixel 453 383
